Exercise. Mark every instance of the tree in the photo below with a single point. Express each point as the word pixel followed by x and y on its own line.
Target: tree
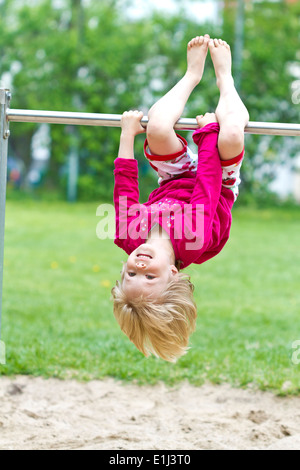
pixel 91 57
pixel 87 58
pixel 270 59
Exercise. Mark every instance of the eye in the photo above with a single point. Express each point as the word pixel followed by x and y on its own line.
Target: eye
pixel 131 274
pixel 149 277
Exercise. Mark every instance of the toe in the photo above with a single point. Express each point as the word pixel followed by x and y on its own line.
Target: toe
pixel 193 41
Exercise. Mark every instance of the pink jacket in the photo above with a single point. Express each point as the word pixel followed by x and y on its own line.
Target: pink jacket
pixel 194 208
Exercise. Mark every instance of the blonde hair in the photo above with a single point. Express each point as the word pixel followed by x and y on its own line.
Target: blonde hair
pixel 162 326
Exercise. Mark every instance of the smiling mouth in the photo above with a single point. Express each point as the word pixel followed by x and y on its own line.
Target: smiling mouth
pixel 143 256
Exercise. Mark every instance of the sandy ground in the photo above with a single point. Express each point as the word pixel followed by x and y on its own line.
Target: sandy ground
pixel 52 414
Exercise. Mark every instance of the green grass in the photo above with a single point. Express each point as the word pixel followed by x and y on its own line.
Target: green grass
pixel 57 315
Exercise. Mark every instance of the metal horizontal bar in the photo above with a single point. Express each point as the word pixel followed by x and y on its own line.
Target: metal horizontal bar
pixel 114 120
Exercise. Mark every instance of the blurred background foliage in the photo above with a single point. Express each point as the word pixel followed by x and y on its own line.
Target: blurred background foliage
pixel 94 56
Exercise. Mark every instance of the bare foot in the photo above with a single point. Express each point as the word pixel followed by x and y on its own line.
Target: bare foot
pixel 221 57
pixel 196 54
pixel 206 119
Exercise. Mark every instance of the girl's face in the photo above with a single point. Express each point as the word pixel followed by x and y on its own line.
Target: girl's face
pixel 148 270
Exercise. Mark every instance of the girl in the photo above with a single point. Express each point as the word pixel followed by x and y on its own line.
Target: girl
pixel 187 218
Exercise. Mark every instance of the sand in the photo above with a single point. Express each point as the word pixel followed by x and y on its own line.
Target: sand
pixel 39 413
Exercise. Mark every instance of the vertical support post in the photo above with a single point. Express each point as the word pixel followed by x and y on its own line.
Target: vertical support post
pixel 4 134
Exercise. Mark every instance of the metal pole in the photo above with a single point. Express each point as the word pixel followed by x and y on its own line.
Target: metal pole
pixel 4 134
pixel 114 120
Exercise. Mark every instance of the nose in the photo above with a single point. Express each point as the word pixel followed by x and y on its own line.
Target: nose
pixel 140 264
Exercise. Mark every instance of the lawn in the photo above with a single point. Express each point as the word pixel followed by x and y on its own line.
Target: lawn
pixel 57 314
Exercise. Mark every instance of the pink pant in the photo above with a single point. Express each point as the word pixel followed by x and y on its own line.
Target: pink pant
pixel 173 165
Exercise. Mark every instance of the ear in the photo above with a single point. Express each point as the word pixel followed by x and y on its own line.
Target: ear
pixel 174 270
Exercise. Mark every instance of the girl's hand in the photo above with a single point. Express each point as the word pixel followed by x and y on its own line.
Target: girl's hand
pixel 131 123
pixel 131 126
pixel 208 118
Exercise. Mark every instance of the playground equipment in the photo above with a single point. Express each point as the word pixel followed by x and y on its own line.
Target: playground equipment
pixel 8 115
